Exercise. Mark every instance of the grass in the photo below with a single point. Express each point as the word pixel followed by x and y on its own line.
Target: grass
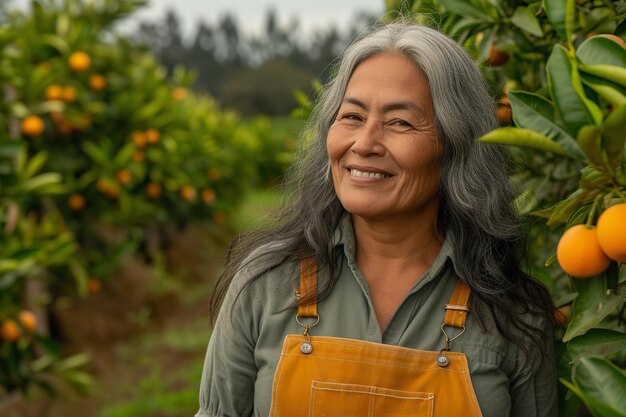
pixel 170 359
pixel 257 208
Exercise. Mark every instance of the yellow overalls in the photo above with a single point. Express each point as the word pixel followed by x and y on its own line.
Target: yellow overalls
pixel 321 376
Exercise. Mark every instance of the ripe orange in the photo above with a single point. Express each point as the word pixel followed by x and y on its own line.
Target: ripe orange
pixel 188 193
pixel 562 315
pixel 54 92
pixel 32 126
pixel 124 176
pixel 10 330
pixel 140 139
pixel 97 82
pixel 504 113
pixel 28 320
pixel 579 252
pixel 94 285
pixel 496 57
pixel 139 156
pixel 108 188
pixel 153 189
pixel 79 61
pixel 179 93
pixel 219 217
pixel 152 136
pixel 76 202
pixel 69 94
pixel 207 195
pixel 612 232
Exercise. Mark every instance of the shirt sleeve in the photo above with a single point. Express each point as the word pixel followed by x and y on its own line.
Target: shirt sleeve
pixel 534 391
pixel 229 374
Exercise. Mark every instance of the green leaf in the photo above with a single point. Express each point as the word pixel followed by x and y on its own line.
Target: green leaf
pixel 532 111
pixel 34 165
pixel 525 138
pixel 56 42
pixel 592 305
pixel 97 154
pixel 567 92
pixel 609 91
pixel 561 15
pixel 603 385
pixel 597 342
pixel 39 182
pixel 525 20
pixel 467 8
pixel 599 50
pixel 591 144
pixel 610 72
pixel 614 134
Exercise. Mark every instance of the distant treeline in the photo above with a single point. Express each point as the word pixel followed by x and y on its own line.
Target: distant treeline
pixel 251 73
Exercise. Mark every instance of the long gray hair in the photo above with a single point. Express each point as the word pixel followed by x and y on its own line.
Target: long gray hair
pixel 476 198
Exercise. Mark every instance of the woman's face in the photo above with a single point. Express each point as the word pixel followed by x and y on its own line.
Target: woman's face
pixel 384 149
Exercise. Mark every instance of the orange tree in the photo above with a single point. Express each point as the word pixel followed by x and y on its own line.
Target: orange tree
pixel 102 155
pixel 558 68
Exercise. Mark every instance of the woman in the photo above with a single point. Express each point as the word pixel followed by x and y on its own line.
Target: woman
pixel 398 214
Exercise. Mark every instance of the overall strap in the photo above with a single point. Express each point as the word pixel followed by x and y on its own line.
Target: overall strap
pixel 457 308
pixel 308 287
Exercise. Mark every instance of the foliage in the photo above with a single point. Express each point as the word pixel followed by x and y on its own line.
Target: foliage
pixel 100 154
pixel 566 83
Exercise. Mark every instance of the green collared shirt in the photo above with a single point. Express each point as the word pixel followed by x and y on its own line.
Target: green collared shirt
pixel 245 347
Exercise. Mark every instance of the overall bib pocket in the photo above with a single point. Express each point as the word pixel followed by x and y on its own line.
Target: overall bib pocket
pixel 332 399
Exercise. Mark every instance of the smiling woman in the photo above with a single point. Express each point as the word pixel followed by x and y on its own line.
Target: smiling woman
pixel 404 252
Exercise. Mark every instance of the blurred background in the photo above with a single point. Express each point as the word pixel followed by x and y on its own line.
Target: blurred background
pixel 137 138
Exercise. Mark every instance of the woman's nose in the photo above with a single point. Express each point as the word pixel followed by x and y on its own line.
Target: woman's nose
pixel 368 139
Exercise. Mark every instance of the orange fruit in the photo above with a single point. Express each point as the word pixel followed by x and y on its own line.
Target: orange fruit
pixel 124 176
pixel 97 82
pixel 10 330
pixel 54 92
pixel 214 174
pixel 504 113
pixel 219 217
pixel 79 61
pixel 107 188
pixel 69 94
pixel 580 254
pixel 152 136
pixel 94 285
pixel 612 232
pixel 207 195
pixel 139 139
pixel 496 57
pixel 188 193
pixel 139 156
pixel 179 93
pixel 76 202
pixel 153 189
pixel 28 320
pixel 32 126
pixel 562 315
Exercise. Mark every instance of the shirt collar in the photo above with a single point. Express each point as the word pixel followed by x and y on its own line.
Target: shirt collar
pixel 344 236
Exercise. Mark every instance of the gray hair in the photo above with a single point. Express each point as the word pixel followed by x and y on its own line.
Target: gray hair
pixel 476 197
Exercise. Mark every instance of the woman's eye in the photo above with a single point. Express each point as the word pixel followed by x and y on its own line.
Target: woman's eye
pixel 351 116
pixel 400 122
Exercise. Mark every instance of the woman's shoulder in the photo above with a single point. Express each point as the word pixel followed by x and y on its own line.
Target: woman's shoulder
pixel 261 275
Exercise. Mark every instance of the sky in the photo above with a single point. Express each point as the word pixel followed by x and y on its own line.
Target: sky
pixel 250 13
